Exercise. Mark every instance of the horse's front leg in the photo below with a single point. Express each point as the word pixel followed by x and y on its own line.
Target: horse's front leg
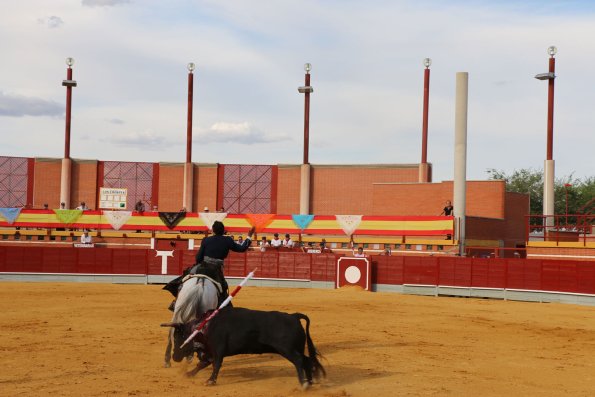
pixel 167 362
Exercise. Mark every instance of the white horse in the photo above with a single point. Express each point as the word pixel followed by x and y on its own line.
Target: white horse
pixel 198 295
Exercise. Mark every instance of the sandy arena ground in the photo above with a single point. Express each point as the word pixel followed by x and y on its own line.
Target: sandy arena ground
pixel 75 339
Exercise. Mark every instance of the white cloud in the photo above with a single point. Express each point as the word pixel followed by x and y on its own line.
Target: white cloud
pixel 367 77
pixel 241 133
pixel 51 22
pixel 116 121
pixel 103 3
pixel 19 106
pixel 147 140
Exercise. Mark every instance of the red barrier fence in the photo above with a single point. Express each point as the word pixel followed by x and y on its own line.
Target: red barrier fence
pixel 501 273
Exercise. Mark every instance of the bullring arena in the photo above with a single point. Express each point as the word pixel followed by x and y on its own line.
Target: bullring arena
pixel 90 339
pixel 483 301
pixel 83 319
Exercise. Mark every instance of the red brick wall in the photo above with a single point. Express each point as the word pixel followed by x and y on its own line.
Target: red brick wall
pixel 171 186
pixel 410 199
pixel 46 186
pixel 484 198
pixel 205 187
pixel 517 207
pixel 288 189
pixel 84 183
pixel 349 189
pixel 511 230
pixel 485 228
pixel 359 189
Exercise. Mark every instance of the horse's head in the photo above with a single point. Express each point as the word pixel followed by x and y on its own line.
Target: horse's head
pixel 179 333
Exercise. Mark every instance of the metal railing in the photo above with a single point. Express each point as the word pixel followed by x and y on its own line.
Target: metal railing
pixel 560 228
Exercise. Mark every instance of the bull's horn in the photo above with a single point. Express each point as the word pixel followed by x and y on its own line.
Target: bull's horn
pixel 170 324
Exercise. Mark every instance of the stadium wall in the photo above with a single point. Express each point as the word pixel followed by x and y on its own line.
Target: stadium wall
pixel 335 189
pixel 518 279
pixel 383 189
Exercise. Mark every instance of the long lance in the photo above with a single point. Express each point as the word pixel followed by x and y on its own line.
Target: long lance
pixel 221 306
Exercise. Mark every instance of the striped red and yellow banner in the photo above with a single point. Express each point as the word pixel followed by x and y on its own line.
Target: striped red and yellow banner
pixel 321 224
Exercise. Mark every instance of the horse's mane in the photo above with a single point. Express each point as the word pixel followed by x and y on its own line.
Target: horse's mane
pixel 195 298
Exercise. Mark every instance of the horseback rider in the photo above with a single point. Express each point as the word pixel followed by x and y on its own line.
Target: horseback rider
pixel 213 250
pixel 209 259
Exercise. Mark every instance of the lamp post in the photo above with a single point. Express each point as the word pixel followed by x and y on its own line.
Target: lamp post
pixel 423 167
pixel 305 168
pixel 191 67
pixel 65 176
pixel 68 83
pixel 188 170
pixel 306 90
pixel 549 165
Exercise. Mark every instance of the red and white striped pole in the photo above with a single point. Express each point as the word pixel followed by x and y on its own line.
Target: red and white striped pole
pixel 221 306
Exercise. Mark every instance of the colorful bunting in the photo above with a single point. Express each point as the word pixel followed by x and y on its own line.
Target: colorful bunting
pixel 260 221
pixel 171 219
pixel 349 223
pixel 117 219
pixel 68 216
pixel 210 217
pixel 10 214
pixel 302 221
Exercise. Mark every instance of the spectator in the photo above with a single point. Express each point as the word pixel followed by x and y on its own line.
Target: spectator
pixel 359 253
pixel 448 210
pixel 139 206
pixel 240 239
pixel 82 207
pixel 323 244
pixel 45 206
pixel 221 209
pixel 287 242
pixel 387 251
pixel 62 205
pixel 85 238
pixel 264 244
pixel 206 209
pixel 276 242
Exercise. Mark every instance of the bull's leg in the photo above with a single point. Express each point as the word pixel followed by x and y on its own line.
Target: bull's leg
pixel 167 362
pixel 217 361
pixel 307 368
pixel 199 366
pixel 297 359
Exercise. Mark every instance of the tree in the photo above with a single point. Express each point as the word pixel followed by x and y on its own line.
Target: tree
pixel 581 192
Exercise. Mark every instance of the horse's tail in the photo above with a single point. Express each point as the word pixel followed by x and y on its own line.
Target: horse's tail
pixel 313 354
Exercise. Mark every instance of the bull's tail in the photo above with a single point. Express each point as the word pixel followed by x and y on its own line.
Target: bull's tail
pixel 313 354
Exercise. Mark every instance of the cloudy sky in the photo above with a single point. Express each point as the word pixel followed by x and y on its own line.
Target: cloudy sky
pixel 131 100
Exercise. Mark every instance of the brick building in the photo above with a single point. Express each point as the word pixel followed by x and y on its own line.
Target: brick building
pixel 494 217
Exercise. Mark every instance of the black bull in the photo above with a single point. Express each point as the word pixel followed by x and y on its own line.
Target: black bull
pixel 242 331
